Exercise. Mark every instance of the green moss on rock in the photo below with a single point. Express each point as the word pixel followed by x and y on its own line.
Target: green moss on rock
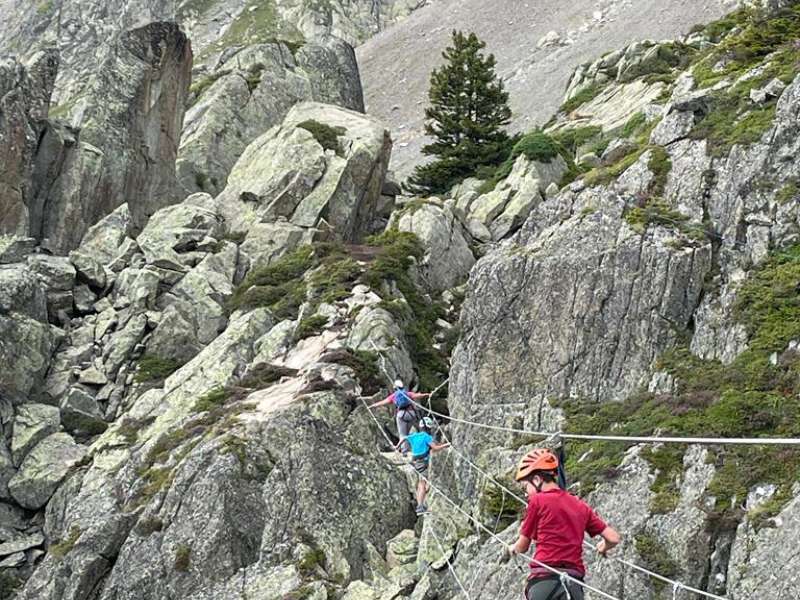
pixel 61 548
pixel 327 136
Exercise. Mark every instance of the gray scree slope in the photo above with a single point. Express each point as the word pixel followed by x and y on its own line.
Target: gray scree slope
pixel 395 64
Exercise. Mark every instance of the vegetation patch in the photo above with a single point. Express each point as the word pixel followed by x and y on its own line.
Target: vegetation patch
pixel 634 125
pixel 606 175
pixel 790 191
pixel 765 40
pixel 314 274
pixel 183 558
pixel 310 326
pixel 327 136
pixel 535 146
pixel 312 560
pixel 201 85
pixel 757 395
pixel 152 368
pixel 417 315
pixel 363 363
pixel 654 556
pixel 656 211
pixel 61 548
pixel 585 95
pixel 500 509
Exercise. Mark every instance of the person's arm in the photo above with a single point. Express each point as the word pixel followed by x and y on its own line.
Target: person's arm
pixel 417 395
pixel 610 539
pixel 436 447
pixel 384 402
pixel 526 532
pixel 521 545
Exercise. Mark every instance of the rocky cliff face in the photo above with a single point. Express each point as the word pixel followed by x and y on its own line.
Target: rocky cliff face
pixel 182 408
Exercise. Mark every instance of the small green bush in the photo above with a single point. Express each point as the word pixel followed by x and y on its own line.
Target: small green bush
pixel 183 558
pixel 327 136
pixel 582 97
pixel 787 193
pixel 634 124
pixel 310 326
pixel 313 559
pixel 153 368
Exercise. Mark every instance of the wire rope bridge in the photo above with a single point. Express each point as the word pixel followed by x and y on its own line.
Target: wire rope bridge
pixel 564 578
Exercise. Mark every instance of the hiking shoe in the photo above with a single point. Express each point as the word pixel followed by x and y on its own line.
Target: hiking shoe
pixel 422 509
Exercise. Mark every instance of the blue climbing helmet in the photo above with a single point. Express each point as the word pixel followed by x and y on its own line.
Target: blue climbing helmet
pixel 401 398
pixel 428 424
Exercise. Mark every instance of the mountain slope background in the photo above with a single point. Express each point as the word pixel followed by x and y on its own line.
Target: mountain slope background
pixel 395 64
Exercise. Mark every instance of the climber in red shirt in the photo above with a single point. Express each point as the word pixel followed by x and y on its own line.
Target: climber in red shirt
pixel 556 521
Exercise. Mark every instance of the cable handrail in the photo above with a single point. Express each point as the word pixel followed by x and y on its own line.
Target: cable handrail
pixel 588 544
pixel 623 438
pixel 477 523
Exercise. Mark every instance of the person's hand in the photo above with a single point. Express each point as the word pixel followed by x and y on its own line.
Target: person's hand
pixel 508 553
pixel 602 548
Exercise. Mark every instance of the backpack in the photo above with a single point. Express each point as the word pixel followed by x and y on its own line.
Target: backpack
pixel 401 399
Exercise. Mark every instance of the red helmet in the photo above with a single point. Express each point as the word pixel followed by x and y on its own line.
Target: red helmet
pixel 538 459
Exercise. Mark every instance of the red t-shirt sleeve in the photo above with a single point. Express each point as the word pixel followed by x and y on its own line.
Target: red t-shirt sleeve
pixel 594 524
pixel 531 522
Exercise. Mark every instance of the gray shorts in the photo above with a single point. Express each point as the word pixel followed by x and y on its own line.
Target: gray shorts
pixel 421 464
pixel 551 589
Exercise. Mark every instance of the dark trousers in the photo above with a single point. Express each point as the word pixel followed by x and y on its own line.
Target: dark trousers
pixel 551 589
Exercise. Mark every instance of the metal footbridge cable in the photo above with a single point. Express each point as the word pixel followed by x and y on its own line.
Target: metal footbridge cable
pixel 676 585
pixel 632 439
pixel 481 526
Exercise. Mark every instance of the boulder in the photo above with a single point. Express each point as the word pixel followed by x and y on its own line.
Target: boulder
pixel 323 163
pixel 21 291
pixel 14 249
pixel 172 237
pixel 448 258
pixel 195 308
pixel 80 413
pixel 55 272
pixel 44 469
pixel 674 126
pixel 375 330
pixel 26 346
pixel 251 91
pixel 22 544
pixel 772 90
pixel 104 240
pixel 88 269
pixel 267 242
pixel 32 423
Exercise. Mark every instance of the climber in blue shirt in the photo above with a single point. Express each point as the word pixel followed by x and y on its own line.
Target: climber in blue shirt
pixel 422 443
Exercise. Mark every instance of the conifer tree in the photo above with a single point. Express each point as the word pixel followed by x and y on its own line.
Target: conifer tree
pixel 466 118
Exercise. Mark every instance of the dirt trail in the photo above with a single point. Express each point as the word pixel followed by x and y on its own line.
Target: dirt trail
pixel 395 65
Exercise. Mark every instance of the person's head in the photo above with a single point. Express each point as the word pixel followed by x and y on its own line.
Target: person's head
pixel 398 384
pixel 539 469
pixel 427 424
